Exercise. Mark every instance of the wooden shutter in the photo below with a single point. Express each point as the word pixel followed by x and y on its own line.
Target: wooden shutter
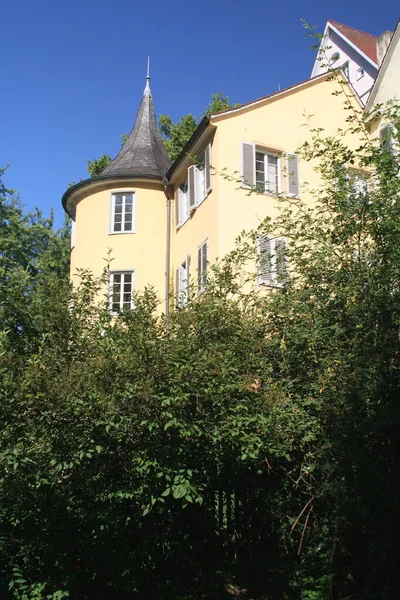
pixel 177 290
pixel 386 138
pixel 192 186
pixel 248 170
pixel 293 187
pixel 265 262
pixel 177 208
pixel 205 258
pixel 199 269
pixel 280 257
pixel 207 167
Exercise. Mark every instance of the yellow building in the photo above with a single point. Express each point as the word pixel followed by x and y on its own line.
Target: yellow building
pixel 166 222
pixel 124 210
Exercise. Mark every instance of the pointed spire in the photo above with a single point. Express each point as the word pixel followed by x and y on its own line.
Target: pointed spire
pixel 147 88
pixel 143 154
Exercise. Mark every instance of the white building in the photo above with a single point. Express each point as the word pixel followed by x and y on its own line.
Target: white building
pixel 356 52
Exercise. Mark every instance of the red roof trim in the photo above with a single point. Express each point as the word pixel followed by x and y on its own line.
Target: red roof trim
pixel 366 42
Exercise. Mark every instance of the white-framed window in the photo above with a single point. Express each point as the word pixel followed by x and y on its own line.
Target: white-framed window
pixel 346 70
pixel 182 204
pixel 182 283
pixel 359 180
pixel 202 259
pixel 360 72
pixel 272 260
pixel 199 179
pixel 122 219
pixel 121 287
pixel 261 169
pixel 73 233
pixel 268 171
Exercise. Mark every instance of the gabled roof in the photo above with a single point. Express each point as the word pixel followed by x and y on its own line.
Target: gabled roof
pixel 366 42
pixel 383 68
pixel 143 153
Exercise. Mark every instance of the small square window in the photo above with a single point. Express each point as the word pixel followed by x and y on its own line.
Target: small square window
pixel 360 73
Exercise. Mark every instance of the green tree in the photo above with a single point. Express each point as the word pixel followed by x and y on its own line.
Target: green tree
pixel 31 255
pixel 249 448
pixel 96 167
pixel 175 135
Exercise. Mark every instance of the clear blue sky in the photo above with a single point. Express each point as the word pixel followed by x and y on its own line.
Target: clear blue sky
pixel 73 71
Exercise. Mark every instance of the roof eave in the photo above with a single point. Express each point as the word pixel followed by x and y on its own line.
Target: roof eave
pixel 201 127
pixel 92 181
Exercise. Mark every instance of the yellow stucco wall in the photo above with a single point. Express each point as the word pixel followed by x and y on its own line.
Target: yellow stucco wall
pixel 142 251
pixel 277 123
pixel 386 88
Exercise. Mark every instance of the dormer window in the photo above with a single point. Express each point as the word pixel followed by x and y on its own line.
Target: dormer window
pixel 122 212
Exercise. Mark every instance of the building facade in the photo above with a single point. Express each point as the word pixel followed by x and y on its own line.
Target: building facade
pixel 165 224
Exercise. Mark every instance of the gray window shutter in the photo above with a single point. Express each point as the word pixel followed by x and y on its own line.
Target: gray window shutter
pixel 293 186
pixel 265 263
pixel 386 138
pixel 177 287
pixel 177 211
pixel 188 268
pixel 205 258
pixel 199 269
pixel 248 171
pixel 192 186
pixel 280 257
pixel 208 169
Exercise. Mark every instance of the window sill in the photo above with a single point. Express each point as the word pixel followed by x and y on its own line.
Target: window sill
pixel 271 284
pixel 120 232
pixel 260 192
pixel 177 227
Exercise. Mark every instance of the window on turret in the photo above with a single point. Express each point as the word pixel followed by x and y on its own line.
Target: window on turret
pixel 120 291
pixel 122 212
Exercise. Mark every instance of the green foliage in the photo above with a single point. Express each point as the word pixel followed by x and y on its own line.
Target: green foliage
pixel 248 448
pixel 96 167
pixel 219 103
pixel 175 135
pixel 33 257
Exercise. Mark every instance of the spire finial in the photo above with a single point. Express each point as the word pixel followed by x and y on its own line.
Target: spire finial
pixel 147 88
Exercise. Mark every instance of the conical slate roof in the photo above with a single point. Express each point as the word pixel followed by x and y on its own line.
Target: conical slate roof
pixel 143 154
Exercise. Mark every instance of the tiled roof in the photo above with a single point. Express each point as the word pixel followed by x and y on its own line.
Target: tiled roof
pixel 143 153
pixel 366 42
